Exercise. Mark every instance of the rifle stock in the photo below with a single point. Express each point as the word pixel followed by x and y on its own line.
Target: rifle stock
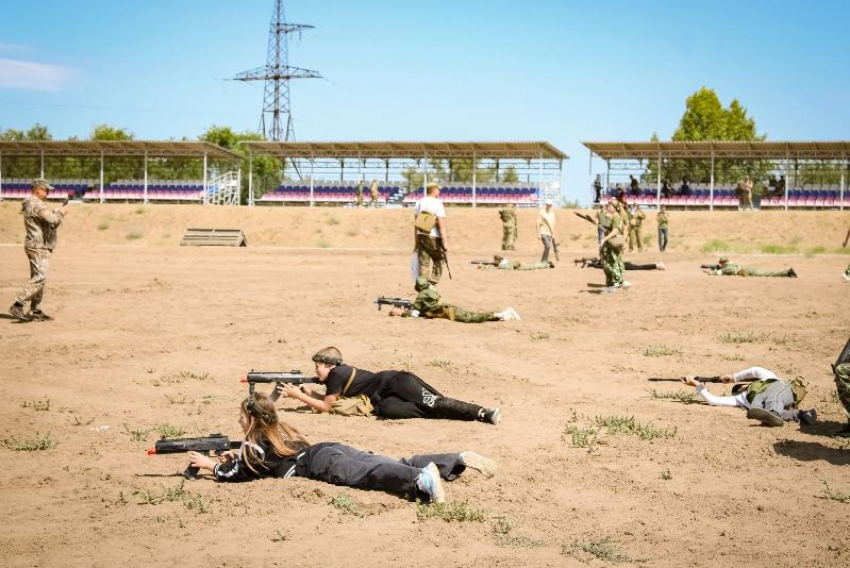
pixel 216 443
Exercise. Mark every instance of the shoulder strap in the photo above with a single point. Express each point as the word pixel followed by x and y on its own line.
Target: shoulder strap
pixel 349 381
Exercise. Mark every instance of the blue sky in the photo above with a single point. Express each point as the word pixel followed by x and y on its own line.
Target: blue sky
pixel 464 70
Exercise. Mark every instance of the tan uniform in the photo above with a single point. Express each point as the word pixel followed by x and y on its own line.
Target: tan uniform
pixel 509 232
pixel 40 223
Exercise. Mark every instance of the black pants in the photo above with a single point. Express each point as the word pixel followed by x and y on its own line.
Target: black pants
pixel 343 465
pixel 407 396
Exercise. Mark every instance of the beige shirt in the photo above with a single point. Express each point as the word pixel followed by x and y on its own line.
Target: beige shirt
pixel 546 223
pixel 40 223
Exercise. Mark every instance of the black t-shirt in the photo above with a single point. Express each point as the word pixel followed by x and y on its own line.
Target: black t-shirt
pixel 270 464
pixel 365 382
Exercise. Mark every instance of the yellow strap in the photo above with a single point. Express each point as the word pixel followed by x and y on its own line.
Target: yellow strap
pixel 348 383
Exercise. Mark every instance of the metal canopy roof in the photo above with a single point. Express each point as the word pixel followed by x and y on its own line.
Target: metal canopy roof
pixel 415 150
pixel 822 150
pixel 115 148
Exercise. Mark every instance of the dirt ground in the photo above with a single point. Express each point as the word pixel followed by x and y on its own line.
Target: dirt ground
pixel 150 337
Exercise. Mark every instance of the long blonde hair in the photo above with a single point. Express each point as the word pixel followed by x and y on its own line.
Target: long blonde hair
pixel 264 424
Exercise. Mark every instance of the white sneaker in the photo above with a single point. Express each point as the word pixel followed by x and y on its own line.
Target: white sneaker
pixel 660 266
pixel 429 482
pixel 484 466
pixel 514 314
pixel 626 284
pixel 846 276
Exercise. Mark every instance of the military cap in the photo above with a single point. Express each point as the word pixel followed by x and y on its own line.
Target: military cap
pixel 41 183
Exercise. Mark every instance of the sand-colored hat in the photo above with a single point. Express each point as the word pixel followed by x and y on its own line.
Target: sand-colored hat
pixel 41 183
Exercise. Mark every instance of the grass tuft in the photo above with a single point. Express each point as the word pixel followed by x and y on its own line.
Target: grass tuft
pixel 36 444
pixel 346 504
pixel 832 495
pixel 450 512
pixel 716 245
pixel 739 337
pixel 778 249
pixel 685 397
pixel 661 351
pixel 37 405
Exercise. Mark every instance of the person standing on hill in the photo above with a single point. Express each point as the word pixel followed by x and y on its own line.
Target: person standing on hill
pixel 41 223
pixel 509 232
pixel 663 222
pixel 430 233
pixel 546 229
pixel 597 189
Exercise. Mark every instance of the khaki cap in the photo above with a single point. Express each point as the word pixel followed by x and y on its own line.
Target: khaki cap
pixel 41 183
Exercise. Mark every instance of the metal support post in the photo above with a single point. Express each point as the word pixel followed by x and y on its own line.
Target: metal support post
pixel 341 169
pixel 474 180
pixel 425 179
pixel 205 178
pixel 841 195
pixel 387 171
pixel 1 176
pixel 711 186
pixel 312 177
pixel 42 165
pixel 787 179
pixel 145 193
pixel 658 184
pixel 607 176
pixel 250 177
pixel 539 177
pixel 101 176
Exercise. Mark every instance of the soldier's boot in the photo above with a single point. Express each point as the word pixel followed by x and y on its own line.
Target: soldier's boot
pixel 17 311
pixel 766 417
pixel 38 315
pixel 808 417
pixel 453 409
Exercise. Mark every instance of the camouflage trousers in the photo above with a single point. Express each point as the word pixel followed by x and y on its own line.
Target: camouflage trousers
pixel 508 236
pixel 767 273
pixel 39 268
pixel 612 265
pixel 429 250
pixel 634 239
pixel 842 384
pixel 847 270
pixel 454 313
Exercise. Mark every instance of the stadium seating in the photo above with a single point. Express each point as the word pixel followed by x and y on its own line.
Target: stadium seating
pixel 827 196
pixel 22 188
pixel 327 192
pixel 490 194
pixel 133 190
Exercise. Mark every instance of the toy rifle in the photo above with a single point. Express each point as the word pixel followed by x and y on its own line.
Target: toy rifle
pixel 710 266
pixel 485 262
pixel 446 258
pixel 217 443
pixel 699 379
pixel 395 302
pixel 586 217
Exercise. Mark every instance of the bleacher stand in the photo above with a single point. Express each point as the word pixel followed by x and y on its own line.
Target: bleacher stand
pixel 328 192
pixel 494 193
pixel 161 191
pixel 825 196
pixel 18 188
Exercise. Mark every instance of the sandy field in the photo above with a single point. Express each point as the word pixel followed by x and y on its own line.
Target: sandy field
pixel 151 338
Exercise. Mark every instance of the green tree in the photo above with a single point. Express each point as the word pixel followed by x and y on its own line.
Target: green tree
pixel 705 118
pixel 104 132
pixel 266 169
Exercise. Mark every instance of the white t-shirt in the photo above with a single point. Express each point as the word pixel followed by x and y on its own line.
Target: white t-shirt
pixel 433 206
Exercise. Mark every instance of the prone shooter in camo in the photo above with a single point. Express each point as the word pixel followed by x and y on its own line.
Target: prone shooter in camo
pixel 428 305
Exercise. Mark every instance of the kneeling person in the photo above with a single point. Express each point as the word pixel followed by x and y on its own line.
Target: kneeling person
pixel 393 394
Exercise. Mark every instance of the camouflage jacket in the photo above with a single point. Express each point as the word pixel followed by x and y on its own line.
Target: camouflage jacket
pixel 40 223
pixel 426 301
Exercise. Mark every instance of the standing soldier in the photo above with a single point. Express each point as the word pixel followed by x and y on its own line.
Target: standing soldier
pixel 430 233
pixel 612 251
pixel 603 221
pixel 841 373
pixel 40 223
pixel 509 232
pixel 663 222
pixel 360 193
pixel 636 217
pixel 374 192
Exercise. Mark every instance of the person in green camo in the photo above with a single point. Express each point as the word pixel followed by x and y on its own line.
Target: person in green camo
pixel 611 251
pixel 726 268
pixel 428 305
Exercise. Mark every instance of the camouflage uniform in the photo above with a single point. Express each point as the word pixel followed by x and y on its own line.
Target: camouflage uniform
pixel 602 223
pixel 428 305
pixel 730 269
pixel 635 222
pixel 612 258
pixel 40 223
pixel 506 264
pixel 663 224
pixel 847 272
pixel 373 191
pixel 359 195
pixel 509 232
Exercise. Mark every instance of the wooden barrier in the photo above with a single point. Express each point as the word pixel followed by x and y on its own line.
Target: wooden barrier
pixel 214 238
